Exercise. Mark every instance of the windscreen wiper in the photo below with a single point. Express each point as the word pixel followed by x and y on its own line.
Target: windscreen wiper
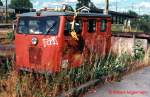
pixel 49 30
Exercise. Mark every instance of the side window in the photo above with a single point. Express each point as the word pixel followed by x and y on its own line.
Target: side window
pixel 91 25
pixel 67 28
pixel 78 26
pixel 103 25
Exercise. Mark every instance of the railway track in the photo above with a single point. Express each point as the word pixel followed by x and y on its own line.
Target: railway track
pixel 6 52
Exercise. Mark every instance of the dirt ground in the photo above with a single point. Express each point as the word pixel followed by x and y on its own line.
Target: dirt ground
pixel 134 85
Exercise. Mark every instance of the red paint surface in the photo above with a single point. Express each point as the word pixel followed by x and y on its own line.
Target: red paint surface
pixel 40 58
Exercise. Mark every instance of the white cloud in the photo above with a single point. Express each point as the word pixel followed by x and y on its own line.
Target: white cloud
pixel 36 3
pixel 98 3
pixel 103 1
pixel 123 5
pixel 143 4
pixel 71 1
pixel 50 3
pixel 47 4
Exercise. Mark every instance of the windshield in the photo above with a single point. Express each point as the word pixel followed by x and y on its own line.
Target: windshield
pixel 38 25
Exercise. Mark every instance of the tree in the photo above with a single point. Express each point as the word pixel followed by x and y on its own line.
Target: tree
pixel 1 3
pixel 20 4
pixel 132 13
pixel 141 22
pixel 144 22
pixel 93 8
pixel 87 3
pixel 83 3
pixel 134 21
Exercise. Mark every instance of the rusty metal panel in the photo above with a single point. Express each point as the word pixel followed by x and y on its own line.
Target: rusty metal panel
pixel 35 55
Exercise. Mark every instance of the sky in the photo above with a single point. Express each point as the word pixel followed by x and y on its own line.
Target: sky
pixel 139 6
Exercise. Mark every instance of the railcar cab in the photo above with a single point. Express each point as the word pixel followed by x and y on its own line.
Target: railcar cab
pixel 50 41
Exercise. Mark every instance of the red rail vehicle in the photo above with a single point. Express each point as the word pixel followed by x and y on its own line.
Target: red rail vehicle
pixel 50 41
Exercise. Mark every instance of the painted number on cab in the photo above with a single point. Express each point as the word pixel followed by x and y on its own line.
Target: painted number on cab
pixel 50 41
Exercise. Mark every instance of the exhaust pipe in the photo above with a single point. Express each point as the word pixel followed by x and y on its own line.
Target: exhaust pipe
pixel 106 7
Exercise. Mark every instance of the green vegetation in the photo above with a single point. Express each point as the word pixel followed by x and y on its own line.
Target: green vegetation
pixel 141 23
pixel 144 23
pixel 10 36
pixel 138 50
pixel 1 3
pixel 20 4
pixel 88 4
pixel 83 3
pixel 116 27
pixel 26 84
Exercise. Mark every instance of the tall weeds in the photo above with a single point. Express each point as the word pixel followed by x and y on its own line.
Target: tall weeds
pixel 25 84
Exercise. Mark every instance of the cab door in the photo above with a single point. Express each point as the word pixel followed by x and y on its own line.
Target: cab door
pixel 72 51
pixel 90 35
pixel 104 36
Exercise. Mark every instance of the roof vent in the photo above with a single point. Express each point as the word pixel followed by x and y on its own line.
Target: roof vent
pixel 84 9
pixel 38 13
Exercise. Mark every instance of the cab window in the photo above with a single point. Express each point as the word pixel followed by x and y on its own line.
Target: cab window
pixel 78 26
pixel 91 24
pixel 38 25
pixel 103 25
pixel 67 28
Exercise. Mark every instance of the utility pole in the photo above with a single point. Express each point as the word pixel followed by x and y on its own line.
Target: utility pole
pixel 116 5
pixel 6 13
pixel 106 7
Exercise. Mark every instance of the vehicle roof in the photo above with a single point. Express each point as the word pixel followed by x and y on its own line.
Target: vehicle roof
pixel 47 13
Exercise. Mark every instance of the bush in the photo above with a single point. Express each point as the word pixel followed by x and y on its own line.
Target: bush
pixel 10 35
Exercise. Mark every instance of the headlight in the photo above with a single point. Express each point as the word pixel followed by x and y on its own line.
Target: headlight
pixel 34 41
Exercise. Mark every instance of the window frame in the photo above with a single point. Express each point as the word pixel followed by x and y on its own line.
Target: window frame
pixel 87 24
pixel 100 25
pixel 57 30
pixel 81 25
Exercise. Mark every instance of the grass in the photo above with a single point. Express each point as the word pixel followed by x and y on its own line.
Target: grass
pixel 24 84
pixel 6 36
pixel 119 28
